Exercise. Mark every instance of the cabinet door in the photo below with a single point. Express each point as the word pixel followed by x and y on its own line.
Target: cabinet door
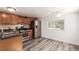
pixel 0 19
pixel 19 20
pixel 23 21
pixel 16 19
pixel 30 34
pixel 28 20
pixel 13 19
pixel 5 18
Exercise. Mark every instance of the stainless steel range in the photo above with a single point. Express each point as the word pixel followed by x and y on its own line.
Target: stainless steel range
pixel 23 30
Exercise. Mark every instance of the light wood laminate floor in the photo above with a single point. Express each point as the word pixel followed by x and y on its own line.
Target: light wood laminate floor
pixel 43 44
pixel 11 44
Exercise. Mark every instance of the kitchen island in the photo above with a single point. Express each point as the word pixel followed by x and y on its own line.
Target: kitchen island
pixel 11 44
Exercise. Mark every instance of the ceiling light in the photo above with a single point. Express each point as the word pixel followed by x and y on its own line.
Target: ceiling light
pixel 11 9
pixel 59 15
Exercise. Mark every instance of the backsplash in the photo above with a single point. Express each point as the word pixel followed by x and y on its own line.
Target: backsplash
pixel 7 26
pixel 12 26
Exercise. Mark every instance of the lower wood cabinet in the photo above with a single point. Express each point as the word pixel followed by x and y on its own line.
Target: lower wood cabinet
pixel 30 34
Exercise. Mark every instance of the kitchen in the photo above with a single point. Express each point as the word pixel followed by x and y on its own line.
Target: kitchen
pixel 13 26
pixel 39 29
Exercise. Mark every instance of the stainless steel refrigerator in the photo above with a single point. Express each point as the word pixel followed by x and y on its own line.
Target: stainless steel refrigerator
pixel 37 29
pixel 36 26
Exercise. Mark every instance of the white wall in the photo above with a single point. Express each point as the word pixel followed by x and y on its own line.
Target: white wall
pixel 70 34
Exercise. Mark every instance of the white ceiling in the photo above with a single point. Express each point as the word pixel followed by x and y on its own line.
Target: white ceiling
pixel 38 11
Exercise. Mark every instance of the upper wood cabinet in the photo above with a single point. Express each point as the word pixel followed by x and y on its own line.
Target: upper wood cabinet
pixel 14 20
pixel 23 21
pixel 26 21
pixel 5 18
pixel 0 19
pixel 11 19
pixel 20 20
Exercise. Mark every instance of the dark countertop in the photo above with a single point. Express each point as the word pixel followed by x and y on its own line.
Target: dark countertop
pixel 9 34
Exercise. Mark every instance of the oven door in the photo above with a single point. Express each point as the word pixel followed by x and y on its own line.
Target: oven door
pixel 25 35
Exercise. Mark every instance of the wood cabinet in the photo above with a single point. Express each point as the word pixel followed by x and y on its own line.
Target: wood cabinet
pixel 25 21
pixel 30 34
pixel 29 20
pixel 0 19
pixel 22 21
pixel 19 19
pixel 15 19
pixel 11 19
pixel 5 18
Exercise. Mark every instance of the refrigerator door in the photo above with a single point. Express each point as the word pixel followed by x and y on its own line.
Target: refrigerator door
pixel 37 29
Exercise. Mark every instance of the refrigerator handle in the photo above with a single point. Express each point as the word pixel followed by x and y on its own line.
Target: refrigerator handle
pixel 36 26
